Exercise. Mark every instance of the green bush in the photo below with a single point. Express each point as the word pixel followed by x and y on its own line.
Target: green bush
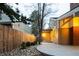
pixel 33 43
pixel 28 44
pixel 23 45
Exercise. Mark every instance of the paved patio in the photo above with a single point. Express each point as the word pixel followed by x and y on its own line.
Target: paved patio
pixel 58 50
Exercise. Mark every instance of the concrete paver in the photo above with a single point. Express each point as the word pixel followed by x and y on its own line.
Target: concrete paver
pixel 58 50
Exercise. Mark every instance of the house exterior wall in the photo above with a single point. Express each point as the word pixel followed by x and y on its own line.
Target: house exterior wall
pixel 46 36
pixel 51 34
pixel 53 23
pixel 69 30
pixel 22 27
pixel 54 32
pixel 54 35
pixel 4 18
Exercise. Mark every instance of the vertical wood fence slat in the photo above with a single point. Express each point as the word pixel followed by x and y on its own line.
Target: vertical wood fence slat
pixel 11 38
pixel 15 37
pixel 6 38
pixel 1 38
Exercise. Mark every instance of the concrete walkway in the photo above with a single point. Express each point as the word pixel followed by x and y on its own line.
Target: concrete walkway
pixel 58 50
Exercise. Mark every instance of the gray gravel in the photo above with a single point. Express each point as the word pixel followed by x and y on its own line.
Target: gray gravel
pixel 29 51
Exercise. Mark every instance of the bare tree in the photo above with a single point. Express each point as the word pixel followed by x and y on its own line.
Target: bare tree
pixel 41 13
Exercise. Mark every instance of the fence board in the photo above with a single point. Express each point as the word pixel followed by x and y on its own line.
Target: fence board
pixel 10 43
pixel 6 38
pixel 1 38
pixel 11 38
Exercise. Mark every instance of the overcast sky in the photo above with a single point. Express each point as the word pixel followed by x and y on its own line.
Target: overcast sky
pixel 57 9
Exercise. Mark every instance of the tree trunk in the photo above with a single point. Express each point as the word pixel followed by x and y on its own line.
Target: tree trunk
pixel 40 20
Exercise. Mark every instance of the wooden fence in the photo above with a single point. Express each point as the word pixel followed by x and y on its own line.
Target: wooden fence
pixel 11 38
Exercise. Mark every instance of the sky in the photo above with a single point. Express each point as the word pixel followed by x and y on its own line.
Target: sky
pixel 24 8
pixel 57 9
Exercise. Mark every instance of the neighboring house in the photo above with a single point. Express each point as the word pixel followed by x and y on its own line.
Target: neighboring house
pixel 53 23
pixel 22 27
pixel 5 20
pixel 51 34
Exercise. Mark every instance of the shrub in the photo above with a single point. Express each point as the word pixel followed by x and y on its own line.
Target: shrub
pixel 23 45
pixel 28 44
pixel 32 43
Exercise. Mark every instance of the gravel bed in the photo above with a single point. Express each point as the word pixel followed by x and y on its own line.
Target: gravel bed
pixel 29 51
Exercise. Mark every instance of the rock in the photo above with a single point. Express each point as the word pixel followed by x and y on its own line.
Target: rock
pixel 29 51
